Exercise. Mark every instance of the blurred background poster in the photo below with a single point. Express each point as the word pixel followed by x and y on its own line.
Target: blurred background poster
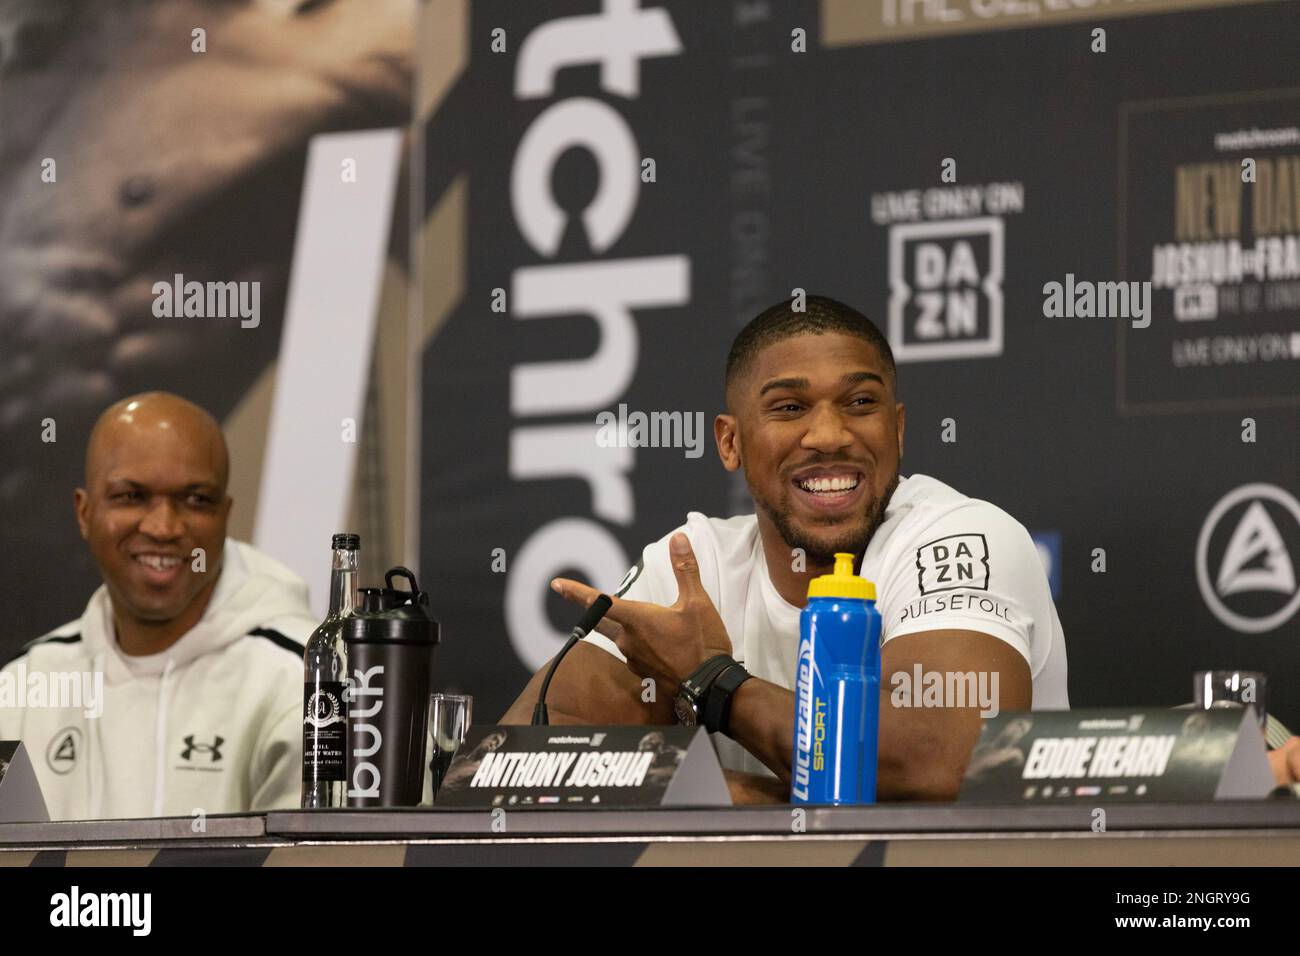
pixel 538 276
pixel 142 141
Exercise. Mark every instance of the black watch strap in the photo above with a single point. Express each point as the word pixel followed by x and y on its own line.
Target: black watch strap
pixel 696 686
pixel 717 702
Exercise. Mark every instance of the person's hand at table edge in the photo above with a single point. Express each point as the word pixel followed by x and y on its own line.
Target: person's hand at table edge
pixel 1285 762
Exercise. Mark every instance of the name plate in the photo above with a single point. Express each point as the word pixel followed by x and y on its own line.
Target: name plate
pixel 584 767
pixel 21 800
pixel 1118 755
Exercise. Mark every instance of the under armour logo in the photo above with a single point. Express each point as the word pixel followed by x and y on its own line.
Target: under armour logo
pixel 213 748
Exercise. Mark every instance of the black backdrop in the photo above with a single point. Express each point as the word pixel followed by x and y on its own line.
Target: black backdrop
pixel 767 162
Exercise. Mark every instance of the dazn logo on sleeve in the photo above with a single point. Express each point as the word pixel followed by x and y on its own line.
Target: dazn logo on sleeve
pixel 957 561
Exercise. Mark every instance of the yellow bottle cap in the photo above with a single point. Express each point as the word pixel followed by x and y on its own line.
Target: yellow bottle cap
pixel 843 582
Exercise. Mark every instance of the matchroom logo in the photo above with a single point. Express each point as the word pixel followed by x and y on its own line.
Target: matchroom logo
pixel 1245 558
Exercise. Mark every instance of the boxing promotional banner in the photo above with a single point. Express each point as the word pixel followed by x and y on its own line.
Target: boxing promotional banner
pixel 1039 220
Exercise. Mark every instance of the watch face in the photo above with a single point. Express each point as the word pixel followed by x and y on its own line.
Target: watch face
pixel 684 710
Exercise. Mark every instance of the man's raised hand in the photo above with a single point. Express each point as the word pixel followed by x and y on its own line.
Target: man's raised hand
pixel 662 643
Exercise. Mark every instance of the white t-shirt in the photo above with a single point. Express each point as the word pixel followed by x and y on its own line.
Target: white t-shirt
pixel 939 560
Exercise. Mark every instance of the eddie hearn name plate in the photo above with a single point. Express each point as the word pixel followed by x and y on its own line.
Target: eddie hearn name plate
pixel 1121 754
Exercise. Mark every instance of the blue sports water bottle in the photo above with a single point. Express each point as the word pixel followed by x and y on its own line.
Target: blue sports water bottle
pixel 837 690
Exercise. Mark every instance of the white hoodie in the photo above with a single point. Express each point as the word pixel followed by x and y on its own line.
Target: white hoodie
pixel 212 724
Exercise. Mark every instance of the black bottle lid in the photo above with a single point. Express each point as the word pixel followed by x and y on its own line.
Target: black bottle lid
pixel 346 542
pixel 402 617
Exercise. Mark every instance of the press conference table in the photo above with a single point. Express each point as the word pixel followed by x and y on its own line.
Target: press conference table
pixel 1237 833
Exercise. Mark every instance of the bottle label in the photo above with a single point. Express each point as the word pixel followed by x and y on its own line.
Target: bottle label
pixel 805 694
pixel 324 732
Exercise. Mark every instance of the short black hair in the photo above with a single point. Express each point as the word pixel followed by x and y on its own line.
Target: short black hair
pixel 821 315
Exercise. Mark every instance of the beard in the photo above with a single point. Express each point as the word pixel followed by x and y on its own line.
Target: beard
pixel 820 550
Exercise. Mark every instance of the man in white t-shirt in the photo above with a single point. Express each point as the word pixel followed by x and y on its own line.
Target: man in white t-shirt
pixel 813 421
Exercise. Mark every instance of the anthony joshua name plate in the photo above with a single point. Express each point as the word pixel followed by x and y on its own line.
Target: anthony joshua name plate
pixel 584 767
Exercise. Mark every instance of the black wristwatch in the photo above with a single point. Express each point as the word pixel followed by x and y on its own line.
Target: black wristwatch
pixel 704 698
pixel 717 703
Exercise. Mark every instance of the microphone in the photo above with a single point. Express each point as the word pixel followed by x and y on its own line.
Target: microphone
pixel 590 618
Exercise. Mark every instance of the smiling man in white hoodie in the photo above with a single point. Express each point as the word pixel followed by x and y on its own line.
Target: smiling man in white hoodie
pixel 194 640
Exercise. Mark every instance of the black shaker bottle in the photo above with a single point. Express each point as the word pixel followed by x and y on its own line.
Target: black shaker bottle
pixel 390 643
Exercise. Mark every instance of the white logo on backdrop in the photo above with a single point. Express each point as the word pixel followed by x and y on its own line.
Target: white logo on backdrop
pixel 938 295
pixel 1255 559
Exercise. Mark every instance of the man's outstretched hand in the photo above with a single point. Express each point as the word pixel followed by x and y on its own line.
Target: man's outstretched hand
pixel 1285 762
pixel 663 643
